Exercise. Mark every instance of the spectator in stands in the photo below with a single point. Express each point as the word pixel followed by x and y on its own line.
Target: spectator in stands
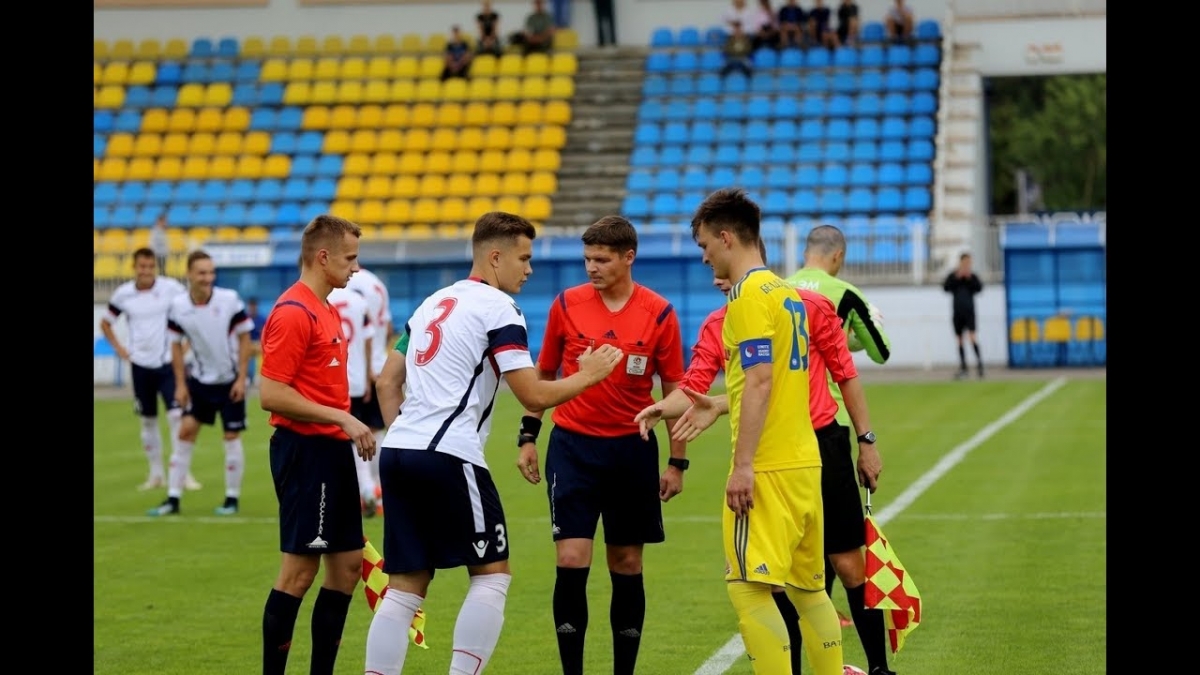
pixel 767 27
pixel 606 22
pixel 746 17
pixel 562 13
pixel 899 23
pixel 847 26
pixel 738 48
pixel 538 34
pixel 820 28
pixel 458 55
pixel 158 242
pixel 792 22
pixel 489 30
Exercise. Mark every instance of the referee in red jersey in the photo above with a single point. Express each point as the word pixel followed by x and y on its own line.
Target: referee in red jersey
pixel 306 389
pixel 597 463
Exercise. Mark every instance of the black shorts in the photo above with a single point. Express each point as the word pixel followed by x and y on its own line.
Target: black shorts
pixel 316 483
pixel 206 400
pixel 592 477
pixel 367 412
pixel 963 323
pixel 441 512
pixel 148 385
pixel 844 528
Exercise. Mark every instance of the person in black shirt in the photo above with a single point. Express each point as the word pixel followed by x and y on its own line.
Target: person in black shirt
pixel 962 284
pixel 489 29
pixel 792 22
pixel 847 27
pixel 458 55
pixel 819 27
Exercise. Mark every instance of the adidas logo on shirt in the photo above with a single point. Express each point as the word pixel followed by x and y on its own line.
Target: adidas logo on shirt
pixel 610 335
pixel 334 362
pixel 761 569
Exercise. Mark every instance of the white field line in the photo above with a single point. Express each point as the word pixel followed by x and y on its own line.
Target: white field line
pixel 734 649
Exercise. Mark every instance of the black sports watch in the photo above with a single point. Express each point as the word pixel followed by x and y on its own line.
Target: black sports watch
pixel 522 439
pixel 868 437
pixel 678 463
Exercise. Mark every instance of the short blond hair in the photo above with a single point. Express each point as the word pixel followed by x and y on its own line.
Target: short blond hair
pixel 324 232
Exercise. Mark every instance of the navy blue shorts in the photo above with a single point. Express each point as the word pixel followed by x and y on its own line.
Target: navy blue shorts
pixel 206 400
pixel 840 494
pixel 367 412
pixel 316 484
pixel 148 385
pixel 439 512
pixel 591 477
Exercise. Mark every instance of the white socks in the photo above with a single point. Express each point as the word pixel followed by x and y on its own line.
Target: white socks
pixel 235 467
pixel 479 622
pixel 152 444
pixel 181 464
pixel 387 639
pixel 174 421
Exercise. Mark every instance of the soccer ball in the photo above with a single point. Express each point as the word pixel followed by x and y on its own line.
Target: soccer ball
pixel 853 670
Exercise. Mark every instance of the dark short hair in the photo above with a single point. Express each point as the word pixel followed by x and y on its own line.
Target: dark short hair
pixel 145 252
pixel 496 225
pixel 198 254
pixel 615 232
pixel 324 231
pixel 730 210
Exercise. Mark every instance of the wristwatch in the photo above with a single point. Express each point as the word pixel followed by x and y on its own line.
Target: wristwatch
pixel 522 439
pixel 868 437
pixel 678 463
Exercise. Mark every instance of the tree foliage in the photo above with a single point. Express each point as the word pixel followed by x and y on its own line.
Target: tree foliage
pixel 1055 128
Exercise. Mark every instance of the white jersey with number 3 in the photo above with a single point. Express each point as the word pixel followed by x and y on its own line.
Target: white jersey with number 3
pixel 461 339
pixel 356 324
pixel 376 293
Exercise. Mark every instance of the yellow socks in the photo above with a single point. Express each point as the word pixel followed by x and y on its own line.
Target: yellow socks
pixel 821 630
pixel 762 628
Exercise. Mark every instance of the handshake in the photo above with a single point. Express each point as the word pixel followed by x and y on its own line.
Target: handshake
pixel 693 411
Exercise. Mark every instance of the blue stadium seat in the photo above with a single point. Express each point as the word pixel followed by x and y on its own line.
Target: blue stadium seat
pixel 185 192
pixel 917 199
pixel 268 190
pixel 227 48
pixel 245 94
pixel 783 152
pixel 925 79
pixel 834 176
pixel 864 151
pixel 894 128
pixel 101 217
pixel 662 37
pixel 779 177
pixel 159 192
pixel 758 107
pixel 132 192
pixel 777 203
pixel 675 133
pixel 845 82
pixel 304 166
pixel 791 57
pixel 923 103
pixel 283 142
pixel 181 215
pixel 817 58
pixel 664 205
pixel 872 31
pixel 264 119
pixel 926 54
pixel 765 57
pixel 757 131
pixel 870 56
pixel 643 156
pixel 928 29
pixel 195 72
pixel 289 214
pixel 102 121
pixel 202 48
pixel 650 111
pixel 689 36
pixel 658 62
pixel 730 131
pixel 868 105
pixel 233 214
pixel 329 166
pixel 690 201
pixel 123 216
pixel 667 180
pixel 635 206
pixel 863 175
pixel 211 191
pixel 711 60
pixel 290 118
pixel 918 173
pixel 785 106
pixel 889 226
pixel 888 200
pixel 813 107
pixel 170 73
pixel 247 71
pixel 919 150
pixel 98 144
pixel 735 83
pixel 898 79
pixel 860 200
pixel 816 81
pixel 138 96
pixel 845 57
pixel 704 109
pixel 884 251
pixel 221 71
pixel 891 173
pixel 104 194
pixel 681 85
pixel 694 179
pixel 261 213
pixel 812 130
pixel 788 81
pixel 699 155
pixel 240 190
pixel 721 176
pixel 809 152
pixel 269 93
pixel 784 131
pixel 295 189
pixel 892 151
pixel 727 153
pixel 207 215
pixel 647 133
pixel 701 132
pixel 865 129
pixel 921 127
pixel 899 56
pixel 838 130
pixel 807 176
pixel 831 201
pixel 654 85
pixel 309 143
pixel 897 103
pixel 870 80
pixel 639 180
pixel 314 208
pixel 840 105
pixel 323 189
pixel 837 152
pixel 751 177
pixel 709 84
pixel 804 202
pixel 164 96
pixel 715 36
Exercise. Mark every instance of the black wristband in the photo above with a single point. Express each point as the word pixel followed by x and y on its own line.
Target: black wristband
pixel 530 426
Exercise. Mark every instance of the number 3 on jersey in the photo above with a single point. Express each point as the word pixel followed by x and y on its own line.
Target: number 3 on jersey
pixel 799 356
pixel 434 331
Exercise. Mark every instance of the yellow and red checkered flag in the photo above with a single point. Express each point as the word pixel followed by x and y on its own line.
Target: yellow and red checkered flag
pixel 889 587
pixel 375 585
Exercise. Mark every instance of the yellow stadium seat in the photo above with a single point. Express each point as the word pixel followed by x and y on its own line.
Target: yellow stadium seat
pixel 97 73
pixel 476 114
pixel 509 204
pixel 433 185
pixel 515 183
pixel 191 95
pixel 1023 330
pixel 370 116
pixel 297 93
pixel 100 50
pixel 370 211
pixel 396 115
pixel 115 72
pixel 471 138
pixel 349 187
pixel 274 70
pixel 227 233
pixel 412 43
pixel 120 144
pixel 1089 328
pixel 504 114
pixel 349 91
pixel 425 210
pixel 383 164
pixel 438 162
pixel 364 140
pixel 390 140
pixel 563 63
pixel 253 47
pixel 406 67
pixel 249 167
pixel 324 93
pixel 336 143
pixel 455 89
pixel 300 69
pixel 142 72
pixel 369 232
pixel 202 143
pixel 154 120
pixel 459 185
pixel 537 64
pixel 106 267
pixel 560 87
pixel 556 112
pixel 392 231
pixel 401 91
pixel 566 38
pixel 176 240
pixel 255 233
pixel 497 138
pixel 481 89
pixel 210 119
pixel 546 159
pixel 175 49
pixel 222 168
pixel 139 237
pixel 533 87
pixel 478 205
pixel 280 45
pixel 418 231
pixel 377 187
pixel 197 236
pixel 176 266
pixel 379 68
pixel 376 91
pixel 1057 329
pixel 543 183
pixel 397 210
pixel 525 136
pixel 327 68
pixel 195 167
pixel 529 112
pixel 443 138
pixel 307 45
pixel 218 94
pixel 333 45
pixel 140 168
pixel 492 161
pixel 342 117
pixel 422 115
pixel 487 184
pixel 436 43
pixel 358 44
pixel 316 117
pixel 464 161
pixel 113 241
pixel 344 208
pixel 416 139
pixel 519 159
pixel 536 207
pixel 168 168
pixel 256 143
pixel 552 136
pixel 352 68
pixel 510 64
pixel 147 145
pixel 385 44
pixel 448 231
pixel 356 164
pixel 411 163
pixel 428 90
pixel 110 96
pixel 175 144
pixel 453 210
pixel 406 187
pixel 430 66
pixel 484 65
pixel 122 50
pixel 95 168
pixel 229 143
pixel 236 118
pixel 277 166
pixel 113 169
pixel 507 88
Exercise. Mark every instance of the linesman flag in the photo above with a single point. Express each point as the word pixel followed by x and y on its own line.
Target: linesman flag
pixel 889 587
pixel 375 585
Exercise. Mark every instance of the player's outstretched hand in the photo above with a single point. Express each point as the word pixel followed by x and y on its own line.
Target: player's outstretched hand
pixel 596 364
pixel 527 463
pixel 700 416
pixel 360 434
pixel 647 418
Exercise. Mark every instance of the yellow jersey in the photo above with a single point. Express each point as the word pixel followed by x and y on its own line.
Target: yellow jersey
pixel 766 326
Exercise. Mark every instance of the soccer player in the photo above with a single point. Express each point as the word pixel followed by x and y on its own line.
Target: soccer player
pixel 463 339
pixel 963 285
pixel 214 322
pixel 824 255
pixel 597 463
pixel 772 526
pixel 379 301
pixel 144 303
pixel 359 332
pixel 306 389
